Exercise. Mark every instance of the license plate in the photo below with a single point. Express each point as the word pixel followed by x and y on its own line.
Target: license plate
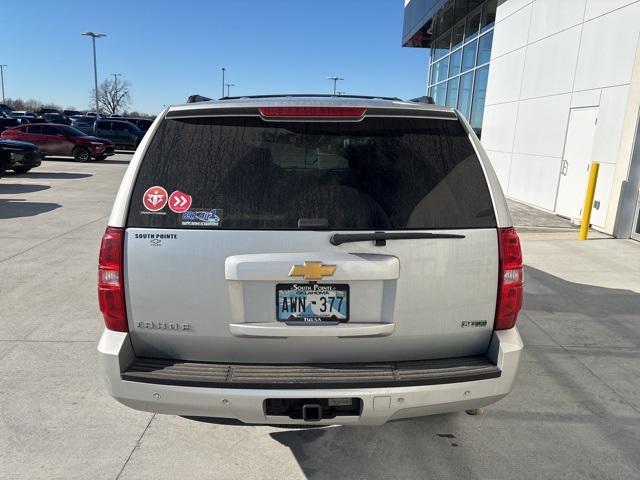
pixel 300 302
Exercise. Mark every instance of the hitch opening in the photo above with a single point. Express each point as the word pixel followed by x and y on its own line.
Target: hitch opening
pixel 311 412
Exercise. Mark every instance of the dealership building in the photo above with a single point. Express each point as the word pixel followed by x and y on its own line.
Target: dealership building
pixel 550 86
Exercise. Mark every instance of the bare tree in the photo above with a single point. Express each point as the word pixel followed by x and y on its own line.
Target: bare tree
pixel 31 105
pixel 112 96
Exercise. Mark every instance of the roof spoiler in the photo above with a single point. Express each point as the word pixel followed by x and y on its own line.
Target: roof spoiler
pixel 423 99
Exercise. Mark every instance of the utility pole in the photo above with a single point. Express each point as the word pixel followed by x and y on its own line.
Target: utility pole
pixel 95 67
pixel 229 85
pixel 2 79
pixel 223 70
pixel 115 87
pixel 335 81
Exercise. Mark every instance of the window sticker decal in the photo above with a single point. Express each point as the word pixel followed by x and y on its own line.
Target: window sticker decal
pixel 179 202
pixel 155 198
pixel 202 217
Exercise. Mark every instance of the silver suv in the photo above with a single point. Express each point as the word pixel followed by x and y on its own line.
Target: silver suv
pixel 310 260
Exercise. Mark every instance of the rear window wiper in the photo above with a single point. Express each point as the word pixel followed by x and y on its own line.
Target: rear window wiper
pixel 381 237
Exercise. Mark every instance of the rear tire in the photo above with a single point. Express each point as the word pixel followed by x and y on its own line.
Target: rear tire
pixel 81 154
pixel 21 169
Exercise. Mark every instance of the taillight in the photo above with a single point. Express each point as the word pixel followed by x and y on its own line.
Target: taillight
pixel 110 280
pixel 510 280
pixel 342 113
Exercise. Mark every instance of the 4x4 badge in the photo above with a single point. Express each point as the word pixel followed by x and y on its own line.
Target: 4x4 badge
pixel 312 270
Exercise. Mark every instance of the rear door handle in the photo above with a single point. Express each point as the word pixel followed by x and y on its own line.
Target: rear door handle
pixel 564 167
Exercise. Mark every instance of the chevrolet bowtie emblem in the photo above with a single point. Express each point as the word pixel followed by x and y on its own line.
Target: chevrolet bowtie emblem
pixel 312 270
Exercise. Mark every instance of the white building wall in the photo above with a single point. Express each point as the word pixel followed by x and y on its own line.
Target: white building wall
pixel 548 57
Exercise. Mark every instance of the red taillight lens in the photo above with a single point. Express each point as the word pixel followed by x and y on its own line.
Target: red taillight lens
pixel 343 113
pixel 110 282
pixel 510 280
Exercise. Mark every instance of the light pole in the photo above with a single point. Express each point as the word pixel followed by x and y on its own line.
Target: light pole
pixel 335 80
pixel 115 88
pixel 229 85
pixel 223 70
pixel 2 80
pixel 93 36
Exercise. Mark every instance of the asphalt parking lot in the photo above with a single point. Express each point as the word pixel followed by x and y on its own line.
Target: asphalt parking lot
pixel 574 413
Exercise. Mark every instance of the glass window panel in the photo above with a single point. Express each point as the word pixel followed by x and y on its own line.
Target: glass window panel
pixel 458 35
pixel 440 93
pixel 455 62
pixel 484 47
pixel 446 16
pixel 479 96
pixel 460 10
pixel 488 15
pixel 441 70
pixel 441 45
pixel 469 56
pixel 471 4
pixel 473 24
pixel 464 97
pixel 452 92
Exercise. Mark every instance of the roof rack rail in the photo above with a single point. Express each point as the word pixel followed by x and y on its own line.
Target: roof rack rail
pixel 197 98
pixel 423 99
pixel 321 95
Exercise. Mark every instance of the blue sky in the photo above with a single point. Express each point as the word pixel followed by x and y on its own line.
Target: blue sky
pixel 171 49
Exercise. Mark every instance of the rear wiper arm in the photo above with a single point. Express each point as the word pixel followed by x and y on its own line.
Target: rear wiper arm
pixel 381 237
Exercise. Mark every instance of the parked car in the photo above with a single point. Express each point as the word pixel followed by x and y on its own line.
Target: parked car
pixel 71 113
pixel 142 123
pixel 22 113
pixel 42 111
pixel 124 135
pixel 5 108
pixel 323 261
pixel 25 120
pixel 81 122
pixel 8 123
pixel 62 140
pixel 18 156
pixel 56 118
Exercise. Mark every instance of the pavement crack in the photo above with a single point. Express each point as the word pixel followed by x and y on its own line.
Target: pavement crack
pixel 136 446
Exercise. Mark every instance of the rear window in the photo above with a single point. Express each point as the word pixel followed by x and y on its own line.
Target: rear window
pixel 246 173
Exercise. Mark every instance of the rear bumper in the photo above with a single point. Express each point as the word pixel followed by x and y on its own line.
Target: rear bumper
pixel 379 404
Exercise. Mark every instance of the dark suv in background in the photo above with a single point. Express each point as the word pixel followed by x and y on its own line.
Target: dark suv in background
pixel 123 134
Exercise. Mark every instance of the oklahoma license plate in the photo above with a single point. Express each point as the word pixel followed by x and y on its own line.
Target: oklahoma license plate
pixel 312 302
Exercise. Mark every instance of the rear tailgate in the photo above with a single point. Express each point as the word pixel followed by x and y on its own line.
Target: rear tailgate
pixel 214 270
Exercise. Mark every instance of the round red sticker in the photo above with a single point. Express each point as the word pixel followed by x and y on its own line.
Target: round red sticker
pixel 155 198
pixel 179 202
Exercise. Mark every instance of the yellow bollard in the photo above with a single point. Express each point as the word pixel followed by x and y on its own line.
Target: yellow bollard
pixel 588 201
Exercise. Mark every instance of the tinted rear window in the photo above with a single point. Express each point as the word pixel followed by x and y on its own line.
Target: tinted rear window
pixel 380 173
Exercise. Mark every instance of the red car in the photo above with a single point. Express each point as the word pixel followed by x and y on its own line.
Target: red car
pixel 64 140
